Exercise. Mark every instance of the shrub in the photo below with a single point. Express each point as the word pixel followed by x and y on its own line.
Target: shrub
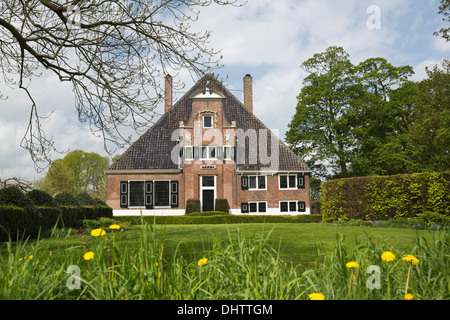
pixel 222 205
pixel 434 218
pixel 17 222
pixel 41 198
pixel 386 197
pixel 207 214
pixel 192 205
pixel 13 196
pixel 85 199
pixel 66 199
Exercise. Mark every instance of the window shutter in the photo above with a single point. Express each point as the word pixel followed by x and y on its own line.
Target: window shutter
pixel 233 153
pixel 219 153
pixel 300 181
pixel 149 194
pixel 301 206
pixel 244 207
pixel 197 153
pixel 123 194
pixel 174 194
pixel 182 156
pixel 244 182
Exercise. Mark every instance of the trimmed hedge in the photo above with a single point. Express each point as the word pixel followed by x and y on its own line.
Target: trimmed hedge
pixel 221 219
pixel 192 205
pixel 386 197
pixel 16 221
pixel 222 205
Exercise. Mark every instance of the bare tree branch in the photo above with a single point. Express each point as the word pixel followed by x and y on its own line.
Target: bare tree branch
pixel 115 55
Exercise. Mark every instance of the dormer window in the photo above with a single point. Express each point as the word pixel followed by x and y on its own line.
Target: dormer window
pixel 207 121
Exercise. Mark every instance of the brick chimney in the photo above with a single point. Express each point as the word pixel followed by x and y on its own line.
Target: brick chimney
pixel 248 92
pixel 168 93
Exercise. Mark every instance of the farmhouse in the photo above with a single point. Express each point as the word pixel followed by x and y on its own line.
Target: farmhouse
pixel 208 145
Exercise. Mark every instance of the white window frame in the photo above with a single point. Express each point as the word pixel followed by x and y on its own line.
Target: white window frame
pixel 229 153
pixel 185 152
pixel 288 187
pixel 170 194
pixel 257 184
pixel 289 207
pixel 129 190
pixel 257 206
pixel 208 153
pixel 212 121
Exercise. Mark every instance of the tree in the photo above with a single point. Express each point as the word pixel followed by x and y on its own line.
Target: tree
pixel 444 9
pixel 77 172
pixel 321 129
pixel 430 131
pixel 382 118
pixel 113 52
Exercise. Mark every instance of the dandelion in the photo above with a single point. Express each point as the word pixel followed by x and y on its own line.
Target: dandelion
pixel 88 255
pixel 98 232
pixel 316 296
pixel 114 227
pixel 352 265
pixel 411 259
pixel 409 296
pixel 388 256
pixel 202 261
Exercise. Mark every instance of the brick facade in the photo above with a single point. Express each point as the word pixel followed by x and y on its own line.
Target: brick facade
pixel 203 142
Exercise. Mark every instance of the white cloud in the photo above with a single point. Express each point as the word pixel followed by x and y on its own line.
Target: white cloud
pixel 268 39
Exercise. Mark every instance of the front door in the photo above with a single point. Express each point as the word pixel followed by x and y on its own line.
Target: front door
pixel 208 192
pixel 208 200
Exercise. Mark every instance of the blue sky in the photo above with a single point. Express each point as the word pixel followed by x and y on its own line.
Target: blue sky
pixel 265 38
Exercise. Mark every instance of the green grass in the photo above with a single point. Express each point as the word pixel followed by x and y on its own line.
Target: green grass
pixel 245 261
pixel 297 243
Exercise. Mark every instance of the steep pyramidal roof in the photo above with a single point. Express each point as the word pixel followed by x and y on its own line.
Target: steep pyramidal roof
pixel 153 149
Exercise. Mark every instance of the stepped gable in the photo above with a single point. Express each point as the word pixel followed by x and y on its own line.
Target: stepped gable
pixel 153 149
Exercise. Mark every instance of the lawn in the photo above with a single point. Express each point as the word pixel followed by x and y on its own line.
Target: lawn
pixel 296 242
pixel 237 261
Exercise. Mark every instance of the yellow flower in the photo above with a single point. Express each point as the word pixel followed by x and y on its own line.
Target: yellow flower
pixel 88 255
pixel 352 264
pixel 98 232
pixel 409 296
pixel 202 261
pixel 30 257
pixel 411 259
pixel 388 256
pixel 316 296
pixel 114 226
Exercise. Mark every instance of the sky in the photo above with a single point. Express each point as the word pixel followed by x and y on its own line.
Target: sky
pixel 264 38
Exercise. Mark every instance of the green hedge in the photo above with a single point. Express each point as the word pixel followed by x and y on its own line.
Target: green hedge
pixel 386 197
pixel 16 221
pixel 222 219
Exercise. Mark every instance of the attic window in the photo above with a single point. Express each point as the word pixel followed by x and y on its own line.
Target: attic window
pixel 207 121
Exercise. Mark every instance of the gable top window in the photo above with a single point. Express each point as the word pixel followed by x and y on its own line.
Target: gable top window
pixel 207 121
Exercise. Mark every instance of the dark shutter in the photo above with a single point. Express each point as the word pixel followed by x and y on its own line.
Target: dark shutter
pixel 244 207
pixel 149 194
pixel 300 181
pixel 301 206
pixel 123 194
pixel 174 194
pixel 244 182
pixel 182 155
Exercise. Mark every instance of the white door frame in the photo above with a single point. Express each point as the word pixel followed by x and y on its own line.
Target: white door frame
pixel 207 188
